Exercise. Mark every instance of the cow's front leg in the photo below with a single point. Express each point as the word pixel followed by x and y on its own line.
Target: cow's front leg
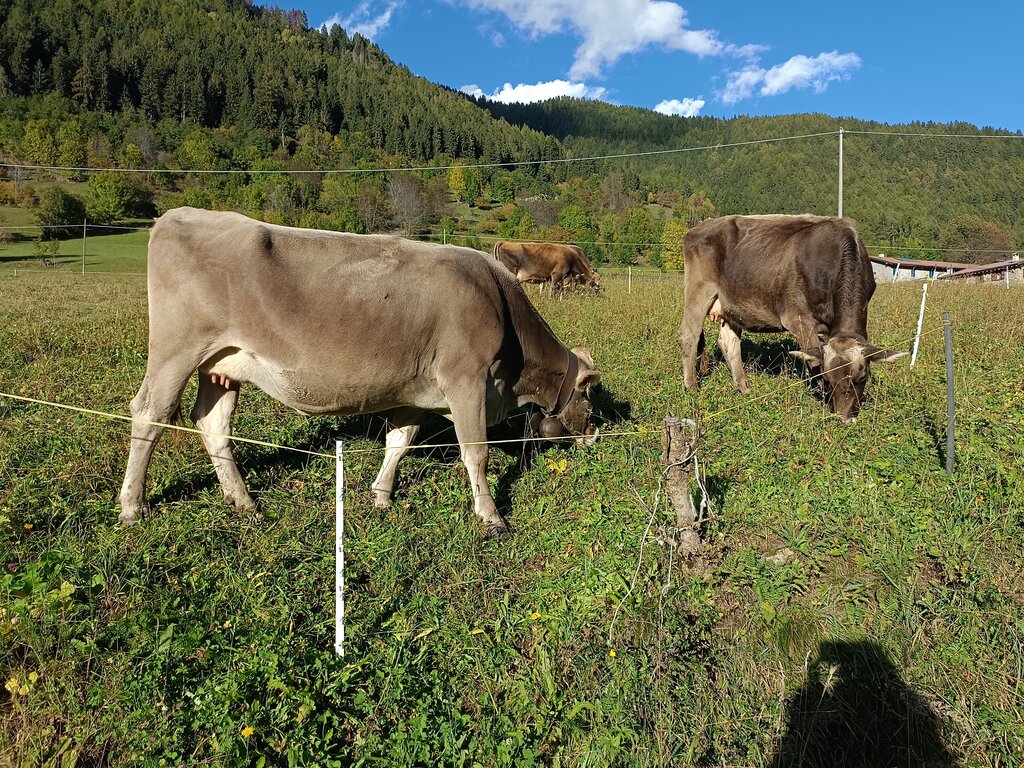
pixel 470 416
pixel 405 423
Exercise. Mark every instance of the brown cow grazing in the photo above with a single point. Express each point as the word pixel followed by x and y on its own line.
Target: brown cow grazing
pixel 334 323
pixel 809 275
pixel 557 263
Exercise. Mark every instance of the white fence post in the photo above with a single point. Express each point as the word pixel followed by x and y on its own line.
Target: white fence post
pixel 629 279
pixel 920 319
pixel 339 553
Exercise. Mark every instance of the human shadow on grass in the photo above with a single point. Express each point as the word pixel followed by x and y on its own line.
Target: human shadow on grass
pixel 855 711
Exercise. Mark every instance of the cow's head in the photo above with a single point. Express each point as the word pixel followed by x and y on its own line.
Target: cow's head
pixel 594 281
pixel 573 414
pixel 845 360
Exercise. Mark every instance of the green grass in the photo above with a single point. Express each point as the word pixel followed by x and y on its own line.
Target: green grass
pixel 13 216
pixel 853 588
pixel 103 253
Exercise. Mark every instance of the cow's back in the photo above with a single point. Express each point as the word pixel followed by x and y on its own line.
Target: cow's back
pixel 354 318
pixel 762 266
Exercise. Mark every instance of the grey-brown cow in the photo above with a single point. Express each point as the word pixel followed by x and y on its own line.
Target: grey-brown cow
pixel 809 275
pixel 332 323
pixel 554 263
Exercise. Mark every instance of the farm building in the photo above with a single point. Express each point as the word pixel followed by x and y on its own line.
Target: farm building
pixel 1009 272
pixel 894 270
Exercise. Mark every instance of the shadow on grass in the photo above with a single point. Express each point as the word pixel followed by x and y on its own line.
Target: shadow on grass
pixel 855 711
pixel 763 354
pixel 436 431
pixel 937 433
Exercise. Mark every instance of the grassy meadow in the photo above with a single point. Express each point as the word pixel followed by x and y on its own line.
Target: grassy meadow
pixel 858 606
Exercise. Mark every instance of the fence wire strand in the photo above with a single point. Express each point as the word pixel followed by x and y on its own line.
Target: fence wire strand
pixel 378 449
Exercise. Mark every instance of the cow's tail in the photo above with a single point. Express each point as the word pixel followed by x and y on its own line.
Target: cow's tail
pixel 496 248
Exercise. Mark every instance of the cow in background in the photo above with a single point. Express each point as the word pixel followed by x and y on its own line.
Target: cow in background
pixel 560 264
pixel 809 275
pixel 336 323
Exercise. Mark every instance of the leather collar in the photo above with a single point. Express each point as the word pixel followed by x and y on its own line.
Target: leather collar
pixel 572 369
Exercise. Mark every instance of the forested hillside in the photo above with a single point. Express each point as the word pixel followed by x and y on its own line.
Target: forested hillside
pixel 900 188
pixel 222 84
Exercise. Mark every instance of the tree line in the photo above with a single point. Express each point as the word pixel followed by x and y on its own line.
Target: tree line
pixel 223 85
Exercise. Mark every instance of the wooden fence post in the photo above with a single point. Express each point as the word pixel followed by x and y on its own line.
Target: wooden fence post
pixel 678 446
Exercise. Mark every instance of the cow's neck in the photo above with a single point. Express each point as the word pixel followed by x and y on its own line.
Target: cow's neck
pixel 548 379
pixel 850 299
pixel 549 368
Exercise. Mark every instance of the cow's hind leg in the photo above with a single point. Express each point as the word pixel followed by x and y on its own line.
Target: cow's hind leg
pixel 698 301
pixel 212 413
pixel 469 413
pixel 729 343
pixel 405 423
pixel 157 402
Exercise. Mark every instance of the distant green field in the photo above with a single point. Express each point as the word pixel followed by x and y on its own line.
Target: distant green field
pixel 860 606
pixel 103 253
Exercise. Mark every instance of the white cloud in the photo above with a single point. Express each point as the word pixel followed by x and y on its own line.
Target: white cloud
pixel 525 93
pixel 368 19
pixel 686 108
pixel 798 72
pixel 613 28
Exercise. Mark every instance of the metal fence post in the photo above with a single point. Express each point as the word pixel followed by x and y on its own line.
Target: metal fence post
pixel 85 223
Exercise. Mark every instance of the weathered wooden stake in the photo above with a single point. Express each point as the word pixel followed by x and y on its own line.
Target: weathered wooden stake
pixel 678 444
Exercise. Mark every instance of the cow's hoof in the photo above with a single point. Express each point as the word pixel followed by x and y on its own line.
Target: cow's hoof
pixel 128 517
pixel 499 532
pixel 241 505
pixel 743 387
pixel 381 499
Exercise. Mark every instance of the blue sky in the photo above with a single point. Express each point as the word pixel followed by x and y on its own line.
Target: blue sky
pixel 893 62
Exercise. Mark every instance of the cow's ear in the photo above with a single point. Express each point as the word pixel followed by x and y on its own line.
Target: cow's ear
pixel 878 355
pixel 812 356
pixel 588 378
pixel 584 355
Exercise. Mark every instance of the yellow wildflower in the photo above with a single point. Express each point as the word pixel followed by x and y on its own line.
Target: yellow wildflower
pixel 558 467
pixel 611 653
pixel 534 615
pixel 247 731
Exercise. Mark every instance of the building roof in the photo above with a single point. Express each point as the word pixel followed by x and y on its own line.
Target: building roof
pixel 890 261
pixel 976 270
